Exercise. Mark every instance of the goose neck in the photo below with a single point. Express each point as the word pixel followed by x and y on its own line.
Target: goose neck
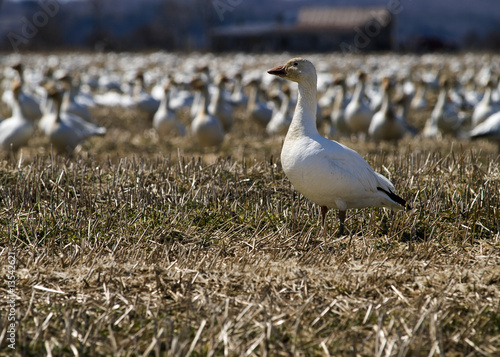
pixel 285 104
pixel 358 91
pixel 57 108
pixel 304 118
pixel 17 110
pixel 385 102
pixel 204 101
pixel 252 97
pixel 164 103
pixel 487 95
pixel 66 100
pixel 339 98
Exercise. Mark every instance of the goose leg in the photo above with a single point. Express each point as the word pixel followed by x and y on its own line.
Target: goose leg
pixel 342 220
pixel 324 210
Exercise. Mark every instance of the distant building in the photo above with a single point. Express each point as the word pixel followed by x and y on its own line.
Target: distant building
pixel 350 29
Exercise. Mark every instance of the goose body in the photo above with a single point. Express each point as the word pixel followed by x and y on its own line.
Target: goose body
pixel 205 126
pixel 64 130
pixel 337 116
pixel 70 104
pixel 18 129
pixel 444 119
pixel 419 100
pixel 219 107
pixel 485 107
pixel 279 123
pixel 142 100
pixel 29 105
pixel 357 113
pixel 258 111
pixel 325 171
pixel 488 129
pixel 385 124
pixel 165 120
pixel 238 97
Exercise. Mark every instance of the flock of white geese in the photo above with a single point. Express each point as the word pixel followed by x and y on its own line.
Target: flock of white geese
pixel 367 99
pixel 364 103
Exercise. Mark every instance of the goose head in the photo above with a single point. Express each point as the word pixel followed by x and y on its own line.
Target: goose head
pixel 492 82
pixel 339 80
pixel 296 70
pixel 221 80
pixel 18 67
pixel 16 88
pixel 387 85
pixel 55 94
pixel 361 75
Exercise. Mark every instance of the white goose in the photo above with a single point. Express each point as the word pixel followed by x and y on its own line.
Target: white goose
pixel 324 171
pixel 165 120
pixel 279 123
pixel 64 130
pixel 485 107
pixel 444 119
pixel 488 129
pixel 206 127
pixel 218 105
pixel 30 106
pixel 18 129
pixel 238 97
pixel 357 113
pixel 419 101
pixel 337 117
pixel 142 100
pixel 70 104
pixel 258 111
pixel 385 124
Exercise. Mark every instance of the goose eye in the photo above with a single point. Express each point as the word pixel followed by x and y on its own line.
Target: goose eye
pixel 295 63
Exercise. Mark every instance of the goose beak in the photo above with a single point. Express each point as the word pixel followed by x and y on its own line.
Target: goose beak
pixel 278 71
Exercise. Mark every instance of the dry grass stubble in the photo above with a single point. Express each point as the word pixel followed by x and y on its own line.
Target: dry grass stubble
pixel 176 256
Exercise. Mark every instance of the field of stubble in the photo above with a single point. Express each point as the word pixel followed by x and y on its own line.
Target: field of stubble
pixel 139 246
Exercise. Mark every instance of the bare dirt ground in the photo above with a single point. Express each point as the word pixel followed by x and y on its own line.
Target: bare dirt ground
pixel 141 246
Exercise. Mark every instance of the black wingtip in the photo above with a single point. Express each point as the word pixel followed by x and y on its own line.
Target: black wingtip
pixel 395 198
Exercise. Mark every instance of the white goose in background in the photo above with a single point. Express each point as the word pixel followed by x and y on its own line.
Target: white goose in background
pixel 376 96
pixel 324 171
pixel 165 120
pixel 206 127
pixel 18 129
pixel 195 84
pixel 337 116
pixel 444 119
pixel 357 113
pixel 180 95
pixel 29 105
pixel 385 124
pixel 419 100
pixel 238 97
pixel 258 111
pixel 64 130
pixel 69 104
pixel 485 108
pixel 327 99
pixel 142 100
pixel 488 129
pixel 218 105
pixel 279 123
